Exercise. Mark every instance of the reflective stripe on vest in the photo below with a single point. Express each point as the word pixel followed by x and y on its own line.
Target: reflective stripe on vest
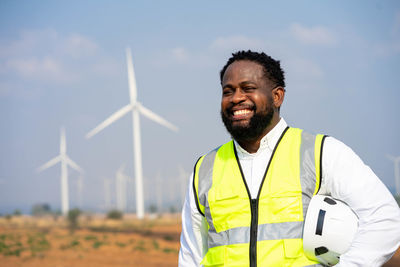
pixel 280 212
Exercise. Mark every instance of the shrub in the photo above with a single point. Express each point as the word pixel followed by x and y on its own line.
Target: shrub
pixel 153 208
pixel 17 212
pixel 73 218
pixel 41 209
pixel 115 215
pixel 155 244
pixel 172 209
pixel 38 243
pixel 98 244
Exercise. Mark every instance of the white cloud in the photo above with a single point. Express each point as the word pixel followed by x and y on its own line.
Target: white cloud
pixel 180 54
pixel 27 43
pixel 317 35
pixel 39 69
pixel 78 45
pixel 50 57
pixel 237 42
pixel 47 42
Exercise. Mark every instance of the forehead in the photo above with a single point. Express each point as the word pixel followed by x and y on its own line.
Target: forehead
pixel 243 70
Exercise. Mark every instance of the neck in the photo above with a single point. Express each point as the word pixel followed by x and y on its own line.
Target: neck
pixel 252 145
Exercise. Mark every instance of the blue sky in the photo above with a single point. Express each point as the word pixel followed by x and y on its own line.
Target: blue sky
pixel 63 64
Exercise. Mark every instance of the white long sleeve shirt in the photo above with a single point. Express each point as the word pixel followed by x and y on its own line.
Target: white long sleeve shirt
pixel 344 177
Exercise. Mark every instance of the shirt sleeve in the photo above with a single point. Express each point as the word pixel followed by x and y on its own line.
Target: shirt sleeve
pixel 347 178
pixel 194 232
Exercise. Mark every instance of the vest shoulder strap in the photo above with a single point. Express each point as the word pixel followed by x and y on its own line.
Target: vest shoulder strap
pixel 203 168
pixel 319 147
pixel 196 183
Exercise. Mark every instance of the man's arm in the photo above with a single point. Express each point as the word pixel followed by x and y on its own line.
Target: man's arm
pixel 194 232
pixel 347 178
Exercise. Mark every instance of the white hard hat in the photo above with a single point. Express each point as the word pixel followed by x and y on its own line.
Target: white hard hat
pixel 329 229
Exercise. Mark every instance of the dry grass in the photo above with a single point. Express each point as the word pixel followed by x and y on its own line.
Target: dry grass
pixel 47 241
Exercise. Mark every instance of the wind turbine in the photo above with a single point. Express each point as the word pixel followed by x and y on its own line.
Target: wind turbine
pixel 79 187
pixel 396 161
pixel 135 107
pixel 65 162
pixel 159 190
pixel 121 182
pixel 107 193
pixel 183 176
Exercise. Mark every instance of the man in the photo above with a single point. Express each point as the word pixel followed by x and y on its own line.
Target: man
pixel 247 199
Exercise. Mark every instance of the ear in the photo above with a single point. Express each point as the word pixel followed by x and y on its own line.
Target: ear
pixel 278 95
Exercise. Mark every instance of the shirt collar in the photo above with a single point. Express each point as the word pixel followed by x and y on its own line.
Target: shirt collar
pixel 268 141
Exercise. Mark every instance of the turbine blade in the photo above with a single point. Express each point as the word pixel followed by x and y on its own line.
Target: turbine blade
pixel 63 142
pixel 48 164
pixel 73 165
pixel 131 76
pixel 151 115
pixel 109 120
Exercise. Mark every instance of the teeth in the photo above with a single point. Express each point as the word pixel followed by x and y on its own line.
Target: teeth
pixel 241 112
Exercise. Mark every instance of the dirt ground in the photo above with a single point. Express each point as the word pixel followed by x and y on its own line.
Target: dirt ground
pixel 98 242
pixel 27 241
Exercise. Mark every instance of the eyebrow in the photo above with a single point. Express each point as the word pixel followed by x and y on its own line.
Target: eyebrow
pixel 247 83
pixel 241 84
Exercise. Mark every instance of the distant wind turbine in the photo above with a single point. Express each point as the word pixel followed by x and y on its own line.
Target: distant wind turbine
pixel 396 161
pixel 183 176
pixel 135 107
pixel 120 184
pixel 107 194
pixel 79 186
pixel 65 162
pixel 159 191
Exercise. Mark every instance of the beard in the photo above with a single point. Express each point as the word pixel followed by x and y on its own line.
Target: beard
pixel 253 130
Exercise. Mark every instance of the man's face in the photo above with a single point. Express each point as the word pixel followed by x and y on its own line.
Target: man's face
pixel 246 105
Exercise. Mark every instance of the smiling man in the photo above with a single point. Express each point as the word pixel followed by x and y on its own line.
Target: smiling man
pixel 248 198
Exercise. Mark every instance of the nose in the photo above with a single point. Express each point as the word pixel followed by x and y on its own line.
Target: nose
pixel 238 96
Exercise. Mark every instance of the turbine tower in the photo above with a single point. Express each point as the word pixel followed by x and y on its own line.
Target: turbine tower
pixel 120 183
pixel 159 191
pixel 65 162
pixel 183 176
pixel 396 161
pixel 79 187
pixel 135 107
pixel 107 194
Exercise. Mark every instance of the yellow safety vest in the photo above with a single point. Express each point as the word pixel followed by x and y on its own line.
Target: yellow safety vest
pixel 266 231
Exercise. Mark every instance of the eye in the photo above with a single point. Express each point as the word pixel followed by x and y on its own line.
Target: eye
pixel 248 88
pixel 226 91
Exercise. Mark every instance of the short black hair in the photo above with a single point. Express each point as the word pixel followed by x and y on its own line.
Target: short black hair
pixel 272 67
